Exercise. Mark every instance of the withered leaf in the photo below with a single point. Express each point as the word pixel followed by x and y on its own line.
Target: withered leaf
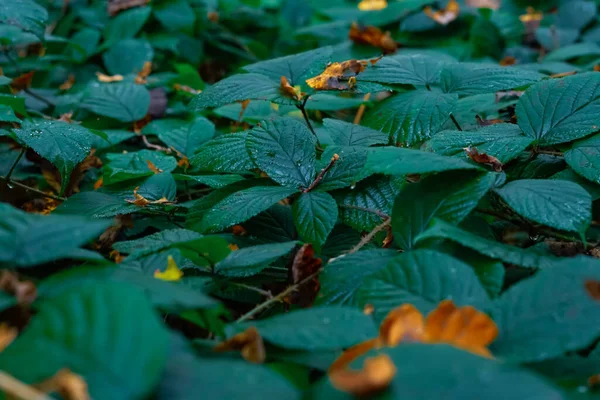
pixel 445 15
pixel 289 91
pixel 153 167
pixel 531 15
pixel 142 76
pixel 593 288
pixel 488 122
pixel 373 36
pixel 22 82
pixel 141 201
pixel 338 76
pixel 7 335
pixel 68 84
pixel 483 158
pixel 376 374
pixel 108 78
pixel 372 5
pixel 250 344
pixel 405 323
pixel 304 265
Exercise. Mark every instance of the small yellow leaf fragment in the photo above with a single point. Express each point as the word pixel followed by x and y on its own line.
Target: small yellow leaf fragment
pixel 68 84
pixel 153 167
pixel 250 344
pixel 233 246
pixel 171 273
pixel 446 15
pixel 372 5
pixel 108 78
pixel 531 15
pixel 7 335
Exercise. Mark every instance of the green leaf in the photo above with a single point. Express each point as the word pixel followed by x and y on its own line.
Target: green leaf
pixel 156 242
pixel 558 204
pixel 123 167
pixel 104 348
pixel 185 137
pixel 584 158
pixel 571 176
pixel 95 205
pixel 411 69
pixel 470 78
pixel 377 194
pixel 315 214
pixel 225 153
pixel 127 56
pixel 549 314
pixel 237 88
pixel 171 296
pixel 343 275
pixel 576 14
pixel 24 14
pixel 503 141
pixel 573 51
pixel 316 329
pixel 125 102
pixel 422 278
pixel 251 260
pixel 450 196
pixel 347 171
pixel 8 115
pixel 399 161
pixel 175 15
pixel 296 68
pixel 241 206
pixel 125 25
pixel 64 145
pixel 31 239
pixel 411 117
pixel 285 149
pixel 347 134
pixel 560 110
pixel 490 248
pixel 214 181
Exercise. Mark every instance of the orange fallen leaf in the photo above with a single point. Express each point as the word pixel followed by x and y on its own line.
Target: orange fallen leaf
pixel 66 383
pixel 116 256
pixel 483 158
pixel 372 5
pixel 142 76
pixel 250 344
pixel 238 230
pixel 7 335
pixel 153 167
pixel 66 117
pixel 338 76
pixel 68 84
pixel 98 184
pixel 373 36
pixel 376 375
pixel 108 78
pixel 593 289
pixel 304 265
pixel 508 60
pixel 445 15
pixel 233 246
pixel 22 82
pixel 402 324
pixel 290 91
pixel 115 6
pixel 531 15
pixel 597 68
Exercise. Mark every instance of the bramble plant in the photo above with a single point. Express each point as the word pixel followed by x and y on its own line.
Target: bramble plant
pixel 286 199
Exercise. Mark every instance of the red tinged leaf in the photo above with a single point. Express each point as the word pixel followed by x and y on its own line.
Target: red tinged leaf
pixel 304 265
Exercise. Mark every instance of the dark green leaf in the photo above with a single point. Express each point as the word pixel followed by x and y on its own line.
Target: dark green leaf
pixel 470 79
pixel 399 161
pixel 251 260
pixel 126 102
pixel 315 214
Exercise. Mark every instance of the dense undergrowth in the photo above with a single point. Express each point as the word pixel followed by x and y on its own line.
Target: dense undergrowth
pixel 208 199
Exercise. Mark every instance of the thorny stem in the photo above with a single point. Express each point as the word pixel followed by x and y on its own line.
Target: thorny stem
pixel 265 293
pixel 12 168
pixel 270 302
pixel 29 188
pixel 365 209
pixel 321 175
pixel 364 241
pixel 455 122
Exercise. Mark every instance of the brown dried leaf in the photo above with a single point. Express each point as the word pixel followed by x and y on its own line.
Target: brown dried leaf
pixel 508 60
pixel 445 15
pixel 66 383
pixel 187 89
pixel 338 76
pixel 68 84
pixel 42 206
pixel 304 265
pixel 108 78
pixel 371 35
pixel 372 5
pixel 593 288
pixel 376 375
pixel 24 291
pixel 115 6
pixel 22 82
pixel 405 323
pixel 289 91
pixel 141 201
pixel 483 158
pixel 250 344
pixel 213 16
pixel 66 117
pixel 98 184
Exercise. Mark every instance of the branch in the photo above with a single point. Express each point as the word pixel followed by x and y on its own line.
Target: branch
pixel 364 241
pixel 29 188
pixel 15 387
pixel 453 118
pixel 302 108
pixel 270 302
pixel 12 168
pixel 321 175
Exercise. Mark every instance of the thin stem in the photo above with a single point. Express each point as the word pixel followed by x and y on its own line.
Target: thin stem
pixel 265 293
pixel 12 168
pixel 365 209
pixel 270 302
pixel 321 174
pixel 22 391
pixel 302 108
pixel 154 146
pixel 361 110
pixel 29 188
pixel 550 152
pixel 455 122
pixel 369 236
pixel 428 87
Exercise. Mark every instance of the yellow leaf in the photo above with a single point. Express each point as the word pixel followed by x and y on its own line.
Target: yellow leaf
pixel 172 273
pixel 372 5
pixel 338 76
